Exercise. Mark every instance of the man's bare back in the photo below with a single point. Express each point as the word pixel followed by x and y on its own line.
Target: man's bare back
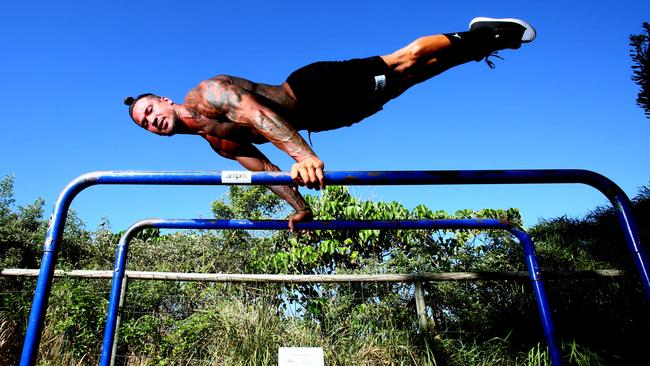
pixel 233 114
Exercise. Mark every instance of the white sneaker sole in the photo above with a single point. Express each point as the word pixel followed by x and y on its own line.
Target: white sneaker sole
pixel 528 36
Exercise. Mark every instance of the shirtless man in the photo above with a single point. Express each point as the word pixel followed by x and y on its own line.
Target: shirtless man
pixel 233 113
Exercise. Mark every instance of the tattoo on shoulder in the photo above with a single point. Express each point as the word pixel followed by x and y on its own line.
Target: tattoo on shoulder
pixel 214 97
pixel 222 94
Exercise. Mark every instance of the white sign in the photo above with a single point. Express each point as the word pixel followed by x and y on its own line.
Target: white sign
pixel 235 177
pixel 301 356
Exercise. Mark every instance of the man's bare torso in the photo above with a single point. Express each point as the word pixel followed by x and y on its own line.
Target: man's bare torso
pixel 216 103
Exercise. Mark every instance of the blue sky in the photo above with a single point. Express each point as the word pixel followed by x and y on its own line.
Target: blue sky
pixel 564 101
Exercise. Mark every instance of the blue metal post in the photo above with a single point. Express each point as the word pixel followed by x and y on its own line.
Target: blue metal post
pixel 620 201
pixel 119 269
pixel 540 294
pixel 46 273
pixel 522 236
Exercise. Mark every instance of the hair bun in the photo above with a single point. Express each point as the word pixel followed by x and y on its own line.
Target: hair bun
pixel 129 100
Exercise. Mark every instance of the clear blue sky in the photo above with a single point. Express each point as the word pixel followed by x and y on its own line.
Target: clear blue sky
pixel 565 101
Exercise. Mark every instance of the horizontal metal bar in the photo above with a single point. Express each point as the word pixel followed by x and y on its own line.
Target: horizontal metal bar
pixel 225 277
pixel 433 177
pixel 219 224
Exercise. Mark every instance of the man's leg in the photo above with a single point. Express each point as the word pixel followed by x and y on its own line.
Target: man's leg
pixel 431 55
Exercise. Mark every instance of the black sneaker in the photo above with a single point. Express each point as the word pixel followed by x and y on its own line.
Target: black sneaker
pixel 506 32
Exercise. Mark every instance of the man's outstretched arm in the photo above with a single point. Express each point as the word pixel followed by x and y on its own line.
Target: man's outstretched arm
pixel 242 107
pixel 253 159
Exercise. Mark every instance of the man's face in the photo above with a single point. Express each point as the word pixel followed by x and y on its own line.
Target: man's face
pixel 155 115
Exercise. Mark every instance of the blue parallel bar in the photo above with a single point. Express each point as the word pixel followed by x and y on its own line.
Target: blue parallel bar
pixel 540 293
pixel 619 199
pixel 520 234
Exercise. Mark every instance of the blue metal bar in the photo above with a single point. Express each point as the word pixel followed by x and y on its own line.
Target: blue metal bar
pixel 540 293
pixel 211 224
pixel 618 198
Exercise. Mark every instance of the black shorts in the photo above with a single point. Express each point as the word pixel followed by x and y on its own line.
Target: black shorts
pixel 334 94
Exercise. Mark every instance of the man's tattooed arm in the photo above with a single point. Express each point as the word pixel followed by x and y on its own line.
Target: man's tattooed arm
pixel 221 97
pixel 252 159
pixel 240 106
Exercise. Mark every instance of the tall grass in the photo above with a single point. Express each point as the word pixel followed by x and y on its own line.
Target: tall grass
pixel 8 338
pixel 235 333
pixel 242 326
pixel 500 351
